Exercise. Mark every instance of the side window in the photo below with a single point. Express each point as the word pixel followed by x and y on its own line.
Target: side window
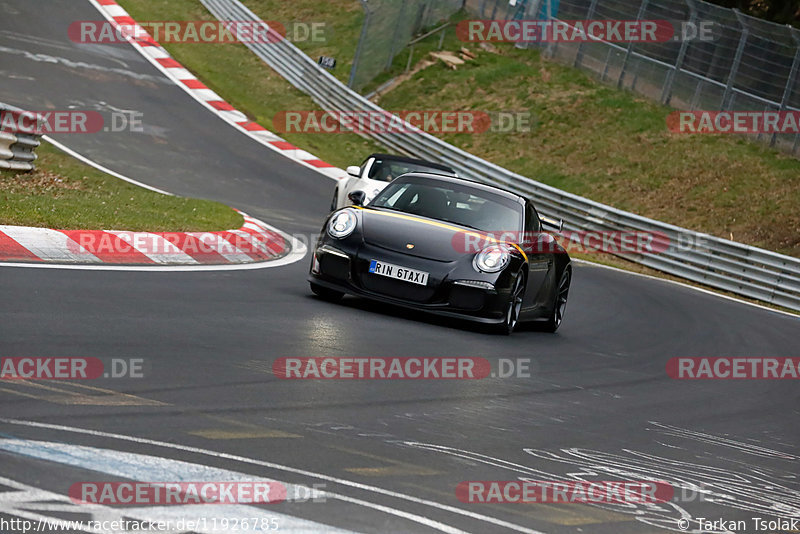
pixel 532 223
pixel 376 166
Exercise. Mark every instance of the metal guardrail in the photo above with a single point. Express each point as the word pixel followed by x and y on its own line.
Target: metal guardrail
pixel 17 149
pixel 712 261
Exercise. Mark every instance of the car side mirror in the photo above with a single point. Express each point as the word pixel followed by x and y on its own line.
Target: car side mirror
pixel 555 225
pixel 354 171
pixel 357 198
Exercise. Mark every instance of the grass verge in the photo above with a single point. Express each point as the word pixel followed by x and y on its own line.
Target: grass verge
pixel 67 194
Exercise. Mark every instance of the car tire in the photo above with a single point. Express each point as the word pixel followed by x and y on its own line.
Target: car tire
pixel 324 293
pixel 335 200
pixel 513 307
pixel 559 301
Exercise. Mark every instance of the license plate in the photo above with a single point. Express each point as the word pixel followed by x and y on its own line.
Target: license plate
pixel 398 273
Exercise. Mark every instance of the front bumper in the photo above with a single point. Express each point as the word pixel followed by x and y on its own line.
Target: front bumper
pixel 450 293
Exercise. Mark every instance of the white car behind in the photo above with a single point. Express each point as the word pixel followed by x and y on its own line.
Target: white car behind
pixel 377 171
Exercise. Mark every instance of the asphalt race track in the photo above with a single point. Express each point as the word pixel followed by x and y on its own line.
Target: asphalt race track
pixel 386 455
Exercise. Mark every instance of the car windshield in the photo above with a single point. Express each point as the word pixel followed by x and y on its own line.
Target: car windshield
pixel 386 170
pixel 452 202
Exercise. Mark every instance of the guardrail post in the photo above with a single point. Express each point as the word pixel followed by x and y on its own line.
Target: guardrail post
pixel 17 149
pixel 639 15
pixel 361 41
pixel 589 16
pixel 787 91
pixel 666 93
pixel 737 59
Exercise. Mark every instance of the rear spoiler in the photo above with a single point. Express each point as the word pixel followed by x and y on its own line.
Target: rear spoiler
pixel 551 223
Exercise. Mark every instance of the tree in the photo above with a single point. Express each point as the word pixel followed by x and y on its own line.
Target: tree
pixel 780 11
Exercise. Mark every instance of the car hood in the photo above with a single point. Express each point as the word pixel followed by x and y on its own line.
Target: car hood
pixel 395 231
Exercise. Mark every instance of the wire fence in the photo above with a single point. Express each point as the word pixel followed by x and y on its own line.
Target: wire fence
pixel 742 63
pixel 389 25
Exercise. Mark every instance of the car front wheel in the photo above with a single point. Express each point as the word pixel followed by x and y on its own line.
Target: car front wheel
pixel 513 307
pixel 560 301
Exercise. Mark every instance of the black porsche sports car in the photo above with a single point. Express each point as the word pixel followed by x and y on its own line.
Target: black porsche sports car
pixel 448 246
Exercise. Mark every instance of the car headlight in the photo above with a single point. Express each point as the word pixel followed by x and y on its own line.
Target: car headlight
pixel 342 224
pixel 492 259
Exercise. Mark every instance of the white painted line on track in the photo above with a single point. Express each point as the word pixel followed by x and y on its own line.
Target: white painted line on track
pixel 144 468
pixel 99 167
pixel 687 286
pixel 311 474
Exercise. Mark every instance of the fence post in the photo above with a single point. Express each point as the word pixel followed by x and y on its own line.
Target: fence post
pixel 426 14
pixel 605 67
pixel 361 42
pixel 639 15
pixel 787 91
pixel 666 93
pixel 531 12
pixel 724 105
pixel 395 36
pixel 549 15
pixel 589 16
